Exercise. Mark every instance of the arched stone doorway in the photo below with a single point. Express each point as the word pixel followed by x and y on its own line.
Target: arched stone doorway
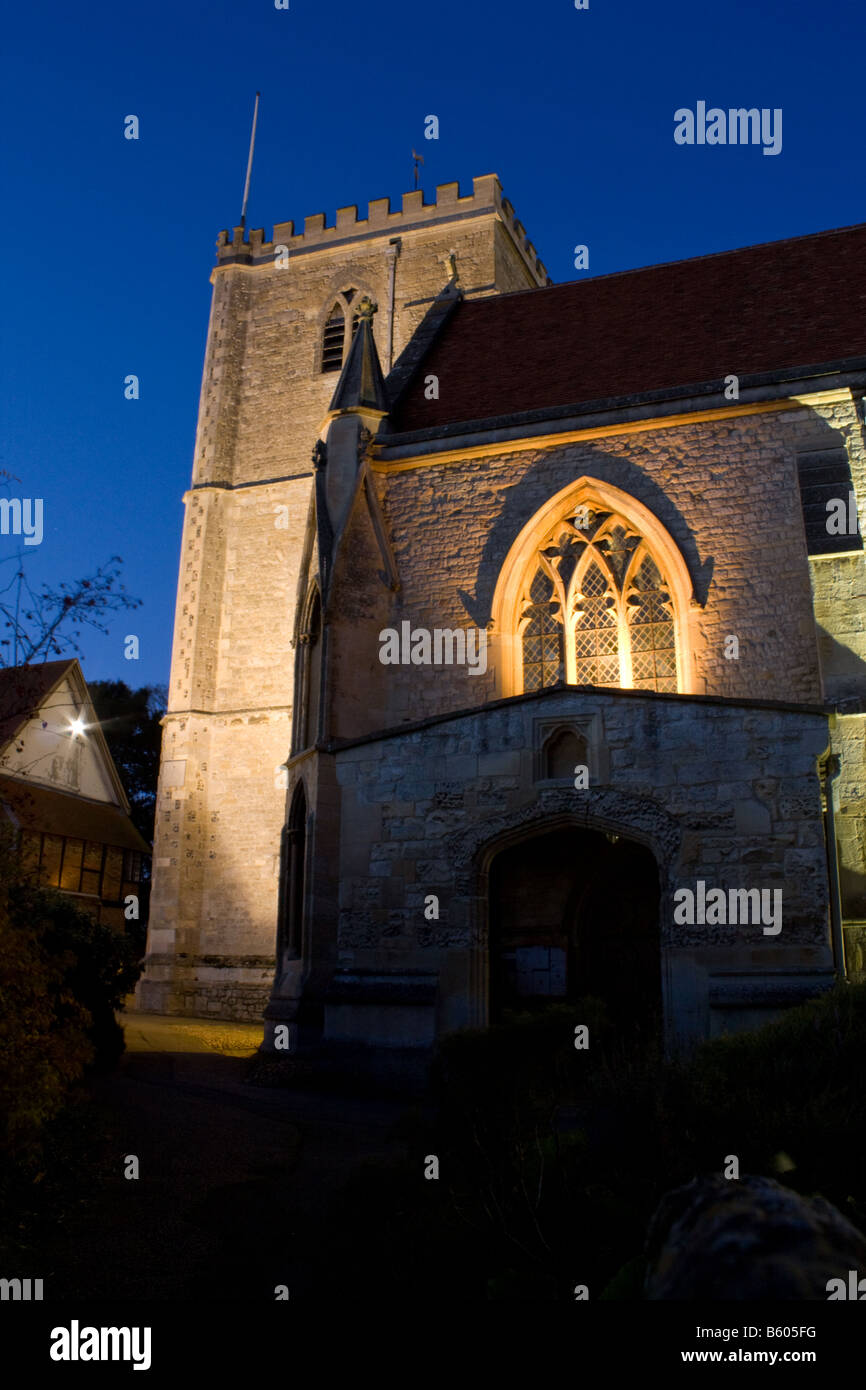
pixel 575 912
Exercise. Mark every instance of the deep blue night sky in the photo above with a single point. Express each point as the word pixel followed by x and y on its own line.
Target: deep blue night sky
pixel 108 243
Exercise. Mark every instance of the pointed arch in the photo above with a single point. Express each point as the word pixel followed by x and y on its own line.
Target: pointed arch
pixel 594 591
pixel 339 329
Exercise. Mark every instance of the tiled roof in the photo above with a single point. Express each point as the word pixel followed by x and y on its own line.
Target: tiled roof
pixel 62 813
pixel 762 309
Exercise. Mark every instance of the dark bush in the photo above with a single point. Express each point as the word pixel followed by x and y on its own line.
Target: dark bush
pixel 558 1157
pixel 789 1099
pixel 101 964
pixel 61 977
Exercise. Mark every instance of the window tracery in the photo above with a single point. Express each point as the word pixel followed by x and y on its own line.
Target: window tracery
pixel 595 608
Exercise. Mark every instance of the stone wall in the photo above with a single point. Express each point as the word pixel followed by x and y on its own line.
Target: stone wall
pixel 725 490
pixel 849 743
pixel 700 781
pixel 221 801
pixel 727 493
pixel 839 596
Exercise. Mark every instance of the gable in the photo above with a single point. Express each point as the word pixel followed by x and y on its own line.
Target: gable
pixel 47 752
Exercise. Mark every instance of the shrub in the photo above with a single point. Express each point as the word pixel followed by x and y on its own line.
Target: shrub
pixel 61 977
pixel 44 1046
pixel 788 1099
pixel 557 1157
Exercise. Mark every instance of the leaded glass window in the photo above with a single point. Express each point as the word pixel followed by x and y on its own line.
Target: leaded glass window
pixel 596 638
pixel 543 663
pixel 653 645
pixel 596 609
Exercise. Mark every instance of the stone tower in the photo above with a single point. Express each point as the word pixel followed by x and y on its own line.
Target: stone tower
pixel 281 324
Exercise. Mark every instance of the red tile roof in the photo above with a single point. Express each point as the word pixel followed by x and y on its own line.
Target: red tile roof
pixel 784 304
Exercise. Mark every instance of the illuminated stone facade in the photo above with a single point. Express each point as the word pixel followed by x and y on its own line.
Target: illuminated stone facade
pixel 674 661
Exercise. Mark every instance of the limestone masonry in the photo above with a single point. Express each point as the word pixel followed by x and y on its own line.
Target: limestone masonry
pixel 403 421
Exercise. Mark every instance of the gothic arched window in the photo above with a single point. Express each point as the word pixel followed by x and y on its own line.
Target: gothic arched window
pixel 595 608
pixel 339 330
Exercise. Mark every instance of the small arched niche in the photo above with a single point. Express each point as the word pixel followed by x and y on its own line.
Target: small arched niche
pixel 562 752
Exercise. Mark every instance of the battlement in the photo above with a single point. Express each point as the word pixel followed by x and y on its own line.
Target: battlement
pixel 486 199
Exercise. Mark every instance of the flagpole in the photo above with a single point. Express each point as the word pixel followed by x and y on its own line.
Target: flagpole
pixel 250 163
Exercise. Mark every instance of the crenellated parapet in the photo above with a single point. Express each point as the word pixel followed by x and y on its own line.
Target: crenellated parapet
pixel 381 221
pixel 250 537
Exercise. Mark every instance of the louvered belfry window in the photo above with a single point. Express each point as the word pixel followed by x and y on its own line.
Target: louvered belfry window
pixel 596 609
pixel 335 339
pixel 825 482
pixel 332 341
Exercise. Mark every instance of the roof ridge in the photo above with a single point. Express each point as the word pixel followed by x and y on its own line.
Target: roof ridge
pixel 665 265
pixel 766 308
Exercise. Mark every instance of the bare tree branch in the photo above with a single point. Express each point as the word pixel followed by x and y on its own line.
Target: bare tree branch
pixel 40 624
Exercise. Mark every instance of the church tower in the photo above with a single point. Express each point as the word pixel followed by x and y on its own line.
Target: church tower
pixel 282 321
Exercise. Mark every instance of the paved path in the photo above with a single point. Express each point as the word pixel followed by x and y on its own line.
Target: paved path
pixel 234 1179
